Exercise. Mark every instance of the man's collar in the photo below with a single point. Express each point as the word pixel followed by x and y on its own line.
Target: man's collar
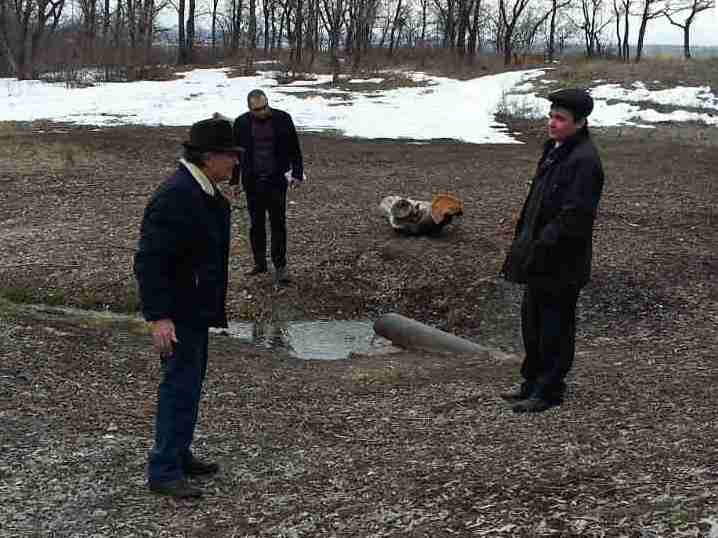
pixel 199 176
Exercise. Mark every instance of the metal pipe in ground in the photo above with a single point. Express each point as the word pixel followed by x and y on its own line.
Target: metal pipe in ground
pixel 410 334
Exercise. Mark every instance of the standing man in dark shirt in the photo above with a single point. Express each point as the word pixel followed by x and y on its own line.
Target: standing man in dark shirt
pixel 271 163
pixel 552 248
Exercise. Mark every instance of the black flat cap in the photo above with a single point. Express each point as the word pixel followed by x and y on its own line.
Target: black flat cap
pixel 576 100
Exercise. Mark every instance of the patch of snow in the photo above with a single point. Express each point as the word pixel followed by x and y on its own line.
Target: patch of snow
pixel 605 114
pixel 366 81
pixel 681 96
pixel 460 110
pixel 451 109
pixel 521 88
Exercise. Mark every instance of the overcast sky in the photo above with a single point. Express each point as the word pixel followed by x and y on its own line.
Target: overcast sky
pixel 704 31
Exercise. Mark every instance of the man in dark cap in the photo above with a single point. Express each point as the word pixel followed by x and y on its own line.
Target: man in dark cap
pixel 552 248
pixel 271 163
pixel 181 267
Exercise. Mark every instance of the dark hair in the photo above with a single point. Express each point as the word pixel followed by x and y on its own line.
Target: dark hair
pixel 256 93
pixel 196 157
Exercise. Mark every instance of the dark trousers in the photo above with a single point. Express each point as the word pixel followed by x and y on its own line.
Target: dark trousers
pixel 183 373
pixel 548 325
pixel 271 199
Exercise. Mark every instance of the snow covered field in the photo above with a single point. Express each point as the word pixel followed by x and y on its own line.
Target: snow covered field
pixel 439 108
pixel 615 105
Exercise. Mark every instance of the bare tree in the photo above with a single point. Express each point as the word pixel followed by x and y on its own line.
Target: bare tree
pixel 446 10
pixel 689 8
pixel 424 9
pixel 650 10
pixel 473 43
pixel 191 18
pixel 592 25
pixel 622 13
pixel 88 23
pixel 361 17
pixel 394 27
pixel 333 12
pixel 24 25
pixel 510 12
pixel 252 35
pixel 556 5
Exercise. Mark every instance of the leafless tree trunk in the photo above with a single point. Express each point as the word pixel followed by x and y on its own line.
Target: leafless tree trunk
pixel 191 16
pixel 266 12
pixel 690 8
pixel 650 10
pixel 592 25
pixel 333 17
pixel 424 8
pixel 617 20
pixel 556 5
pixel 472 46
pixel 274 25
pixel 447 16
pixel 24 25
pixel 510 12
pixel 252 26
pixel 183 58
pixel 394 28
pixel 88 11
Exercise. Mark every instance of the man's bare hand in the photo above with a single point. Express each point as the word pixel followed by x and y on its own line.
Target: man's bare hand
pixel 164 336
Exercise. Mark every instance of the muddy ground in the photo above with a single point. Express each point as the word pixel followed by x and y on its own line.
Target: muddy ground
pixel 405 445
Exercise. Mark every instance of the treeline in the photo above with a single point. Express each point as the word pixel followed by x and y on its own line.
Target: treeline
pixel 41 35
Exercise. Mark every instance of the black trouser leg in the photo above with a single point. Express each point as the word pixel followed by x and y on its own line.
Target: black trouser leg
pixel 256 207
pixel 531 332
pixel 549 327
pixel 277 207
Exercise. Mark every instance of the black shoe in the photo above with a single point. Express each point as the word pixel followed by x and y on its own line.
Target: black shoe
pixel 524 391
pixel 197 467
pixel 515 396
pixel 282 275
pixel 532 405
pixel 256 270
pixel 180 489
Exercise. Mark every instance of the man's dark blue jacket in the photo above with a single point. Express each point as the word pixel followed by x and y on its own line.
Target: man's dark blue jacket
pixel 182 260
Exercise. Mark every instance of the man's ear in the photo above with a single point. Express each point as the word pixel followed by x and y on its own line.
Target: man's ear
pixel 581 123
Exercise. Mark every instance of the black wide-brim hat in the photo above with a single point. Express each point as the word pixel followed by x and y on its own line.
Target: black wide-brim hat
pixel 577 100
pixel 214 134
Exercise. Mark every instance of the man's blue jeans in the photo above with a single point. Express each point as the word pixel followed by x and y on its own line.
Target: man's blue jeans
pixel 179 393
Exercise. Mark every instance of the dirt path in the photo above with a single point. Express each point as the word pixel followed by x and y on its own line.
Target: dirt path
pixel 406 445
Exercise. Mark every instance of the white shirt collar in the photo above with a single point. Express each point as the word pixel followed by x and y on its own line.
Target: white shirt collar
pixel 199 176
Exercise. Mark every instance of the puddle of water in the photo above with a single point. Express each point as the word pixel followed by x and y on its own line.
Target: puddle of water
pixel 323 340
pixel 500 313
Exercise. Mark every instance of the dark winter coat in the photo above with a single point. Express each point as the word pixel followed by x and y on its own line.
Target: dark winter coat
pixel 287 151
pixel 182 260
pixel 553 240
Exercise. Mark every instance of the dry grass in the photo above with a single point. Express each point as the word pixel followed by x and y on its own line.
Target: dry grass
pixel 579 71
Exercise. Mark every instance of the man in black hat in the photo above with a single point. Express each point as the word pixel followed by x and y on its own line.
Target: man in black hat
pixel 551 250
pixel 182 267
pixel 272 162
